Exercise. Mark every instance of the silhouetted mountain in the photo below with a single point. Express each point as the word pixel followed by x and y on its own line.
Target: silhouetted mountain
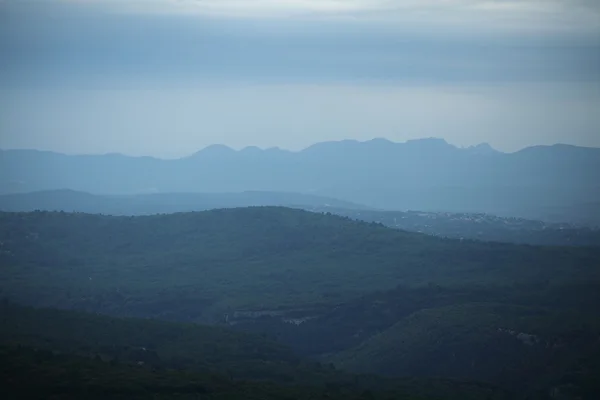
pixel 542 182
pixel 103 357
pixel 483 149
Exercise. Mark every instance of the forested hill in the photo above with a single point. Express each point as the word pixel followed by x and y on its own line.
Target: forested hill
pixel 200 266
pixel 361 295
pixel 483 227
pixel 152 342
pixel 107 357
pixel 517 347
pixel 455 225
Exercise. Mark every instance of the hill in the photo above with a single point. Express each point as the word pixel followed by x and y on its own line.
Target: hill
pixel 38 374
pixel 159 203
pixel 348 324
pixel 201 266
pixel 543 182
pixel 526 349
pixel 42 349
pixel 468 226
pixel 483 227
pixel 368 298
pixel 150 342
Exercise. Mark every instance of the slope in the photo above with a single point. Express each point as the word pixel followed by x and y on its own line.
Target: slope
pixel 199 266
pixel 73 354
pixel 526 349
pixel 158 203
pixel 469 226
pixel 348 324
pixel 152 342
pixel 38 374
pixel 483 227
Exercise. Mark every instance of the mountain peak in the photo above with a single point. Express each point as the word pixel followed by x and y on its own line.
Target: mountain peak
pixel 251 150
pixel 380 141
pixel 214 150
pixel 331 145
pixel 429 144
pixel 428 140
pixel 483 149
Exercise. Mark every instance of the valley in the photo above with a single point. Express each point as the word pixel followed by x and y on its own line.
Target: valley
pixel 299 200
pixel 356 296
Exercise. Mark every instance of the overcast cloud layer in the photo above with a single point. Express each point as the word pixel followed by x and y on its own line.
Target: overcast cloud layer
pixel 165 77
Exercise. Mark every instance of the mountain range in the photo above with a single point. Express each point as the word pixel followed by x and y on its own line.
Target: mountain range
pixel 554 183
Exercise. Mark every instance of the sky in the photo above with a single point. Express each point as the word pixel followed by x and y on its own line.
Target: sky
pixel 169 77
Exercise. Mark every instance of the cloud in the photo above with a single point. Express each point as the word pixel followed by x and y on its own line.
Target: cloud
pixel 287 7
pixel 177 122
pixel 352 68
pixel 475 16
pixel 155 41
pixel 503 15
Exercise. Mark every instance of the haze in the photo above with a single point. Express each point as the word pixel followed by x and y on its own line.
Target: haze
pixel 300 199
pixel 166 78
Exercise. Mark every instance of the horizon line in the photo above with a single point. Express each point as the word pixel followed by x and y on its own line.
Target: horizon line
pixel 278 148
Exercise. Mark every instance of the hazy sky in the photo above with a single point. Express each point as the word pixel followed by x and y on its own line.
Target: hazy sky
pixel 168 77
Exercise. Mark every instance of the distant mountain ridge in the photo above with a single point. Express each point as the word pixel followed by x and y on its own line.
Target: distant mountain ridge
pixel 542 182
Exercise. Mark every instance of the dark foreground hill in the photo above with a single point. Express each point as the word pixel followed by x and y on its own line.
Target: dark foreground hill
pixel 65 354
pixel 542 182
pixel 152 342
pixel 157 344
pixel 521 348
pixel 201 266
pixel 38 374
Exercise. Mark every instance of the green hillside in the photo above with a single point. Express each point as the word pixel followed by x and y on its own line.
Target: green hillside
pixel 367 298
pixel 198 266
pixel 452 225
pixel 43 349
pixel 153 342
pixel 348 324
pixel 530 339
pixel 37 374
pixel 521 348
pixel 28 373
